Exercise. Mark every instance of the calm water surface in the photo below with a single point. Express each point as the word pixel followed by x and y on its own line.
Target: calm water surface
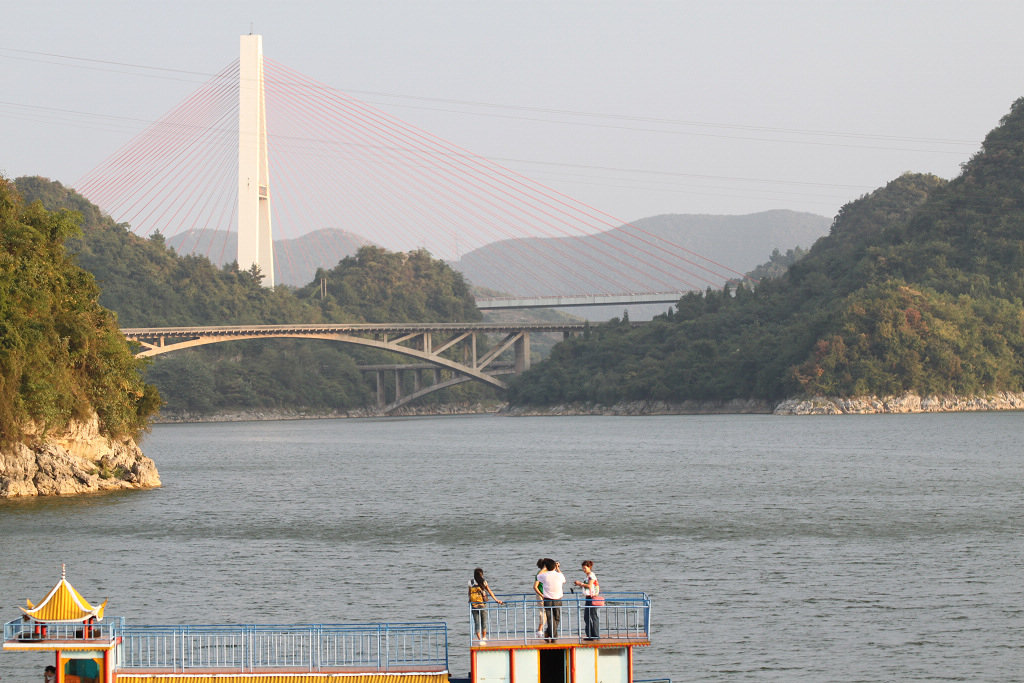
pixel 874 548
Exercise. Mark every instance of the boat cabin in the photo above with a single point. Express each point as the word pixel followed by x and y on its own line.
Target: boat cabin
pixel 588 644
pixel 91 647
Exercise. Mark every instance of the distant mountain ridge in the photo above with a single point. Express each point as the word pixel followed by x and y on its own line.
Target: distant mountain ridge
pixel 740 242
pixel 296 260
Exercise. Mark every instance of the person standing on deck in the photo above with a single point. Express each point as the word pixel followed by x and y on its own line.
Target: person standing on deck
pixel 543 621
pixel 591 589
pixel 549 588
pixel 478 592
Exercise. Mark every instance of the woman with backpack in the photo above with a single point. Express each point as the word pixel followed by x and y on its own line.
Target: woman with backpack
pixel 478 592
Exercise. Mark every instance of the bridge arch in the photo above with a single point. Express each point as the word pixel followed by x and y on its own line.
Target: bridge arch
pixel 423 341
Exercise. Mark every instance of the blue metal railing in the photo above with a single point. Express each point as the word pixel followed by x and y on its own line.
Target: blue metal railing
pixel 21 629
pixel 296 647
pixel 254 647
pixel 624 615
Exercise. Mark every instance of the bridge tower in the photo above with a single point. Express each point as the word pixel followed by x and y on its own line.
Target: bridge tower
pixel 255 241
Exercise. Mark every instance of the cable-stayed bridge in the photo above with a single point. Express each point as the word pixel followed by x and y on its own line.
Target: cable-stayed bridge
pixel 260 144
pixel 261 150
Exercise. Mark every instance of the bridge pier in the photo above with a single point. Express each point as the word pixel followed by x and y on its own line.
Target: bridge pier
pixel 400 371
pixel 522 352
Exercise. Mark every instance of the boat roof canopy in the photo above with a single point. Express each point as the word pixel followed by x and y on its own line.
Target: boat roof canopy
pixel 63 604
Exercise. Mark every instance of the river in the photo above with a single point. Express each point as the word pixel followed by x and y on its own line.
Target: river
pixel 851 548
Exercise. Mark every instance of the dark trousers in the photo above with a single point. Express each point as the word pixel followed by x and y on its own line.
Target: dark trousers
pixel 554 612
pixel 591 620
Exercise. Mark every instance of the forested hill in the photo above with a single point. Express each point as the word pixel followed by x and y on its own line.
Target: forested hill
pixel 917 288
pixel 740 241
pixel 147 284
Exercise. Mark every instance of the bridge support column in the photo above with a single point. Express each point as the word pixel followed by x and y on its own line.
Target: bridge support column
pixel 398 385
pixel 522 352
pixel 380 391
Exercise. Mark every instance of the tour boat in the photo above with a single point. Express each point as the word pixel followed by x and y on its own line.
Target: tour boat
pixel 90 647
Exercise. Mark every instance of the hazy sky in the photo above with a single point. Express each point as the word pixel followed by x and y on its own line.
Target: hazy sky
pixel 635 107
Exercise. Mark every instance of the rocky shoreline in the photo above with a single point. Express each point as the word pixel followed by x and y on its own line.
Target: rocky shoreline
pixel 733 407
pixel 79 460
pixel 907 403
pixel 261 415
pixel 818 405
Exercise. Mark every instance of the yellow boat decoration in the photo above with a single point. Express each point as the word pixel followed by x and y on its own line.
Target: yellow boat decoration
pixel 63 604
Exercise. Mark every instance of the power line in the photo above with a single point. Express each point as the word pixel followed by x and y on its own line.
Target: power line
pixel 804 132
pixel 108 62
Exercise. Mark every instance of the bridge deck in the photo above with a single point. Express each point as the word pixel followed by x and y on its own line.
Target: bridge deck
pixel 352 328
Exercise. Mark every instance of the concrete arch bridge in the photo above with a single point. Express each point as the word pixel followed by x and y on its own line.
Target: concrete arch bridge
pixel 424 342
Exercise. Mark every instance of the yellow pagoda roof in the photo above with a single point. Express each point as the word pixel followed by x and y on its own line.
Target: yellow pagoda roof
pixel 63 603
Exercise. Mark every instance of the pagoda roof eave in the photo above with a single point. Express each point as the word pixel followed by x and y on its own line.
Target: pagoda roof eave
pixel 63 604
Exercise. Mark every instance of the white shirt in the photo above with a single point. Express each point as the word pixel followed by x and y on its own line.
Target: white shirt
pixel 551 584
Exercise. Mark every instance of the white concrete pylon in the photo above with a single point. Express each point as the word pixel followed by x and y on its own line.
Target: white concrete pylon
pixel 255 240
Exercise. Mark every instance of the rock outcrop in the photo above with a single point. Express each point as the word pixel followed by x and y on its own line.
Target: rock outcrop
pixel 79 460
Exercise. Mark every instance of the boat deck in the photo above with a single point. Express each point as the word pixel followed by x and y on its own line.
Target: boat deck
pixel 632 640
pixel 197 672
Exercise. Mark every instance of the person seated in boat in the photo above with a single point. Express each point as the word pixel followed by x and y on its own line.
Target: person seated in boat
pixel 50 674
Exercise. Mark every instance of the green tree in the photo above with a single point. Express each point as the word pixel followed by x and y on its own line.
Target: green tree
pixel 61 354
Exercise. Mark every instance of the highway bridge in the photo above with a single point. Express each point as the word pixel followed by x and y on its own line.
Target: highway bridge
pixel 455 347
